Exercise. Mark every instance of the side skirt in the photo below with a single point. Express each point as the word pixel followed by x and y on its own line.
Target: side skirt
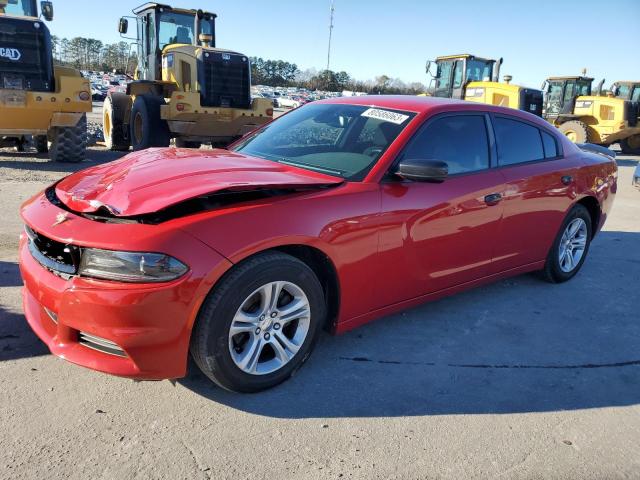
pixel 352 323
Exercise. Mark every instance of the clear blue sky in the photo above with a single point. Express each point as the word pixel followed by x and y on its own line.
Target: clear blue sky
pixel 371 37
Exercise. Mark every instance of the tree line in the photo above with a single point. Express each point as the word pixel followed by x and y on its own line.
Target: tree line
pixel 91 54
pixel 279 73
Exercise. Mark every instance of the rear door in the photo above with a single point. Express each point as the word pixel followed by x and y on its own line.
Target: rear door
pixel 538 192
pixel 438 235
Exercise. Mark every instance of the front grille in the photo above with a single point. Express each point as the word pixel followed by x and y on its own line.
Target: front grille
pixel 101 344
pixel 60 258
pixel 224 80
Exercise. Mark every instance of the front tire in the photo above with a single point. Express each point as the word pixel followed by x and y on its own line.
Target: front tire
pixel 69 144
pixel 570 248
pixel 631 145
pixel 147 129
pixel 114 110
pixel 259 324
pixel 576 131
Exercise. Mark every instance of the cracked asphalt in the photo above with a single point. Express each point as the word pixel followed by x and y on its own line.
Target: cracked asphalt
pixel 519 379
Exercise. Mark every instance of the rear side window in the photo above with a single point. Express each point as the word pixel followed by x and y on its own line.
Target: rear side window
pixel 460 141
pixel 550 145
pixel 518 142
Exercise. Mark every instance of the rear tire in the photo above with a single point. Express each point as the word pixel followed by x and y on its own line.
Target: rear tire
pixel 631 145
pixel 147 129
pixel 68 144
pixel 576 131
pixel 41 143
pixel 114 129
pixel 558 267
pixel 220 353
pixel 180 143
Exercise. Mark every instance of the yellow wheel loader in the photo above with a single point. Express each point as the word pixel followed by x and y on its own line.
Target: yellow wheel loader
pixel 467 77
pixel 586 117
pixel 630 92
pixel 37 98
pixel 184 88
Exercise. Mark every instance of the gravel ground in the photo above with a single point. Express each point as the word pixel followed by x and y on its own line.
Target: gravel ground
pixel 518 380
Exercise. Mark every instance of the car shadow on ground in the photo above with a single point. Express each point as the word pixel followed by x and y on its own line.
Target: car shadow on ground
pixel 519 345
pixel 40 162
pixel 17 340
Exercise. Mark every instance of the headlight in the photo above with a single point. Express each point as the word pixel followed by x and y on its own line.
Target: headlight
pixel 130 266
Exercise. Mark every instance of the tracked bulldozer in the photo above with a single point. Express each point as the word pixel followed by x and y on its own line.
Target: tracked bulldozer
pixel 185 87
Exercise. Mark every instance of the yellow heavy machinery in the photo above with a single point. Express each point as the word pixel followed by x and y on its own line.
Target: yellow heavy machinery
pixel 184 86
pixel 37 98
pixel 591 117
pixel 467 77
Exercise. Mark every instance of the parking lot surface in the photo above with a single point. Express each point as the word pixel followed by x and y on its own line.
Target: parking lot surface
pixel 518 379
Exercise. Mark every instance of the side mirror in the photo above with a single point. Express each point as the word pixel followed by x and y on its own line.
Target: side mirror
pixel 428 67
pixel 47 10
pixel 123 26
pixel 419 170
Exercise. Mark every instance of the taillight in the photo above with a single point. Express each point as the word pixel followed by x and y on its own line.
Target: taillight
pixel 84 96
pixel 180 107
pixel 269 112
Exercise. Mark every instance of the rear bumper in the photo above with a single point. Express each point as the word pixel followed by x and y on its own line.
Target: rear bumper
pixel 205 123
pixel 25 112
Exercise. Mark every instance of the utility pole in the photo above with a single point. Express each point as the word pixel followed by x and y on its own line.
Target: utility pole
pixel 331 9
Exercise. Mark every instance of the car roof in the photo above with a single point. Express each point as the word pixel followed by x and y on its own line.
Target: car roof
pixel 432 105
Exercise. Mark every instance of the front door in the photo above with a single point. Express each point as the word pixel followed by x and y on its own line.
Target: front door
pixel 438 235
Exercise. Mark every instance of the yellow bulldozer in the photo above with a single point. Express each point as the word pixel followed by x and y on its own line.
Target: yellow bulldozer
pixel 476 79
pixel 184 87
pixel 37 98
pixel 593 117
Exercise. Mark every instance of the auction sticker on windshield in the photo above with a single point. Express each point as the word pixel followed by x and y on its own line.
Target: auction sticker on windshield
pixel 386 115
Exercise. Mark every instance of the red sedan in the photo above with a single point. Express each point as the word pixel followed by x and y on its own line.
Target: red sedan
pixel 334 214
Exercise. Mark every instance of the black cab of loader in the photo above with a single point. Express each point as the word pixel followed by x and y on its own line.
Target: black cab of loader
pixel 626 90
pixel 454 72
pixel 560 94
pixel 161 25
pixel 26 60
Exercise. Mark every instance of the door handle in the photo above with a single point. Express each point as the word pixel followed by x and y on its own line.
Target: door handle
pixel 566 179
pixel 492 198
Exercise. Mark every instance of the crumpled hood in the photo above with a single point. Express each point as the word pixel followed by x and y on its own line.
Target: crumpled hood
pixel 150 180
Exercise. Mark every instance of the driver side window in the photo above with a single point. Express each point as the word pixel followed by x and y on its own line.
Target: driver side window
pixel 459 140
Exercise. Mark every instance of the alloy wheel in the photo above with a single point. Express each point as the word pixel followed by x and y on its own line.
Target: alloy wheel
pixel 269 328
pixel 572 245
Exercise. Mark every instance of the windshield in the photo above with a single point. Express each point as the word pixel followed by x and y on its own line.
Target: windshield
pixel 24 8
pixel 336 139
pixel 479 70
pixel 175 28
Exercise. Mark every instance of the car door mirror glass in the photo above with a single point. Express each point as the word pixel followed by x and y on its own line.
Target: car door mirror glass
pixel 423 170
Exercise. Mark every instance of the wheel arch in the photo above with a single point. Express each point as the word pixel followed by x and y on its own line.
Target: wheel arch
pixel 595 212
pixel 315 258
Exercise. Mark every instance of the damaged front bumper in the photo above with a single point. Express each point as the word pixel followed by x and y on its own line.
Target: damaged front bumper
pixel 137 330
